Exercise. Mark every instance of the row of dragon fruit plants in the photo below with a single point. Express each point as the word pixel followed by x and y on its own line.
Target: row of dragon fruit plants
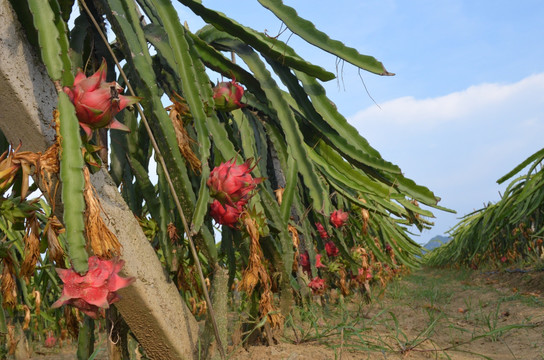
pixel 508 233
pixel 301 200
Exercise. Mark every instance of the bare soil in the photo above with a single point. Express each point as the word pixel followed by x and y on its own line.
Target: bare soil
pixel 430 314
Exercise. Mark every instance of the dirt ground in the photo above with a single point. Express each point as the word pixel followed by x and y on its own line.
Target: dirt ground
pixel 429 314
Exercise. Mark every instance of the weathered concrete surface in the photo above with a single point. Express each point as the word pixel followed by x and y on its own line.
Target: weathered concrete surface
pixel 151 306
pixel 26 93
pixel 149 303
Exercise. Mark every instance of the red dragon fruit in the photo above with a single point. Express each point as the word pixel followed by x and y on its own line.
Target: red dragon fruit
pixel 318 263
pixel 331 249
pixel 232 184
pixel 97 101
pixel 317 285
pixel 339 218
pixel 50 341
pixel 304 261
pixel 364 274
pixel 226 214
pixel 227 95
pixel 321 230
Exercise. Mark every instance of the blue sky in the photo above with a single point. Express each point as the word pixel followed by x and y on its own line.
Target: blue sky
pixel 467 102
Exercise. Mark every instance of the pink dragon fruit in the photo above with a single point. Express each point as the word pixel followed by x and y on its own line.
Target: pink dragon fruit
pixel 317 285
pixel 226 214
pixel 97 101
pixel 96 289
pixel 230 183
pixel 339 218
pixel 331 249
pixel 227 96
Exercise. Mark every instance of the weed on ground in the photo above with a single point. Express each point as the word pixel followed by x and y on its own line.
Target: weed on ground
pixel 429 314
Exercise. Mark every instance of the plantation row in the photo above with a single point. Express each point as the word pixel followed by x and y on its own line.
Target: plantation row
pixel 260 194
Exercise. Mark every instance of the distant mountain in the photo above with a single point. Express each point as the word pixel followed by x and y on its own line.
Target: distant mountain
pixel 437 241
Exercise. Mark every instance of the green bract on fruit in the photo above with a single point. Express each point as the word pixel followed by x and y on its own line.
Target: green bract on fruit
pixel 227 96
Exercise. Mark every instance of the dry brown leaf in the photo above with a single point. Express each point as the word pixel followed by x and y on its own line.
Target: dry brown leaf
pixel 72 321
pixel 192 301
pixel 178 112
pixel 366 217
pixel 26 321
pixel 256 273
pixel 47 170
pixel 251 275
pixel 344 288
pixel 296 242
pixel 279 194
pixel 26 161
pixel 11 161
pixel 173 233
pixel 202 308
pixel 12 340
pixel 32 247
pixel 7 284
pixel 37 301
pixel 52 229
pixel 104 243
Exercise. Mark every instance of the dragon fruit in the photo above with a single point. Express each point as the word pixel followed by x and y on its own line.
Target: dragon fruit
pixel 97 101
pixel 96 289
pixel 339 218
pixel 227 95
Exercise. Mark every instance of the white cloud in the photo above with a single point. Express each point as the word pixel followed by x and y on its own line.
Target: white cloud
pixel 453 107
pixel 459 144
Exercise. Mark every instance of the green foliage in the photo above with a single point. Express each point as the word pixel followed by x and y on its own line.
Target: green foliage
pixel 306 30
pixel 267 46
pixel 44 23
pixel 71 171
pixel 86 339
pixel 54 46
pixel 17 216
pixel 507 231
pixel 302 146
